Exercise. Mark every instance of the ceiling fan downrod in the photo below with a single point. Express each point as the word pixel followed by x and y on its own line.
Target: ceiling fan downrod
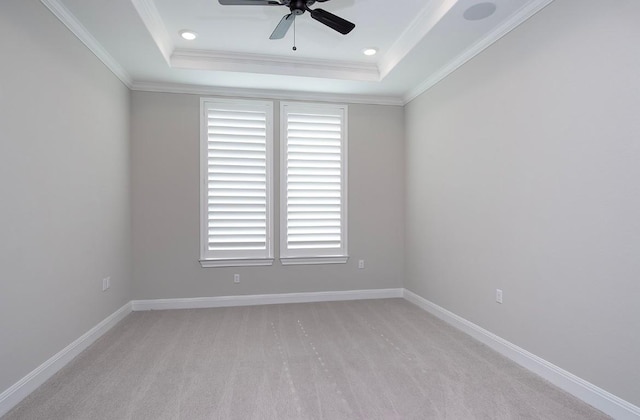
pixel 294 36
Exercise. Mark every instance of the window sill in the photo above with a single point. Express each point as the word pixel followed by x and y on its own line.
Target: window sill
pixel 236 262
pixel 313 260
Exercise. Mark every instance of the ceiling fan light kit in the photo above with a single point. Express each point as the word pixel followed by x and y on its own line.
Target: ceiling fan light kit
pixel 297 8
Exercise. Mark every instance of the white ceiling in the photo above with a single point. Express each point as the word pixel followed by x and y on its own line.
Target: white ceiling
pixel 419 42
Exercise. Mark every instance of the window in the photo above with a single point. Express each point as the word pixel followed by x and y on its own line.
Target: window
pixel 313 183
pixel 236 152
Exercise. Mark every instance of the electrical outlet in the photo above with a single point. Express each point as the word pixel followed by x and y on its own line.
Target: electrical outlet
pixel 106 283
pixel 236 278
pixel 360 264
pixel 499 295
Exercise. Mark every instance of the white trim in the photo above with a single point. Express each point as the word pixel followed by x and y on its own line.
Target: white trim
pixel 18 391
pixel 251 300
pixel 69 20
pixel 265 93
pixel 423 23
pixel 486 41
pixel 313 260
pixel 586 391
pixel 268 64
pixel 314 255
pixel 237 262
pixel 351 71
pixel 152 20
pixel 224 258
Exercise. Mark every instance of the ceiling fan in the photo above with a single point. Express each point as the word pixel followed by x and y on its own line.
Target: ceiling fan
pixel 297 7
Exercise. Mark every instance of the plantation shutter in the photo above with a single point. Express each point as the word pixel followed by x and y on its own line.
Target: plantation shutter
pixel 237 196
pixel 313 182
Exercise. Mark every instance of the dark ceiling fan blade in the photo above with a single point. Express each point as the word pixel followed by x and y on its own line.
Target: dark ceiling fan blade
pixel 250 3
pixel 283 26
pixel 332 21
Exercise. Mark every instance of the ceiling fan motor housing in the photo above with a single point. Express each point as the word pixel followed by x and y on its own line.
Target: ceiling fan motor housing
pixel 288 3
pixel 298 7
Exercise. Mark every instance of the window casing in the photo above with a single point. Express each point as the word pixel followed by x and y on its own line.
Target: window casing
pixel 313 183
pixel 236 161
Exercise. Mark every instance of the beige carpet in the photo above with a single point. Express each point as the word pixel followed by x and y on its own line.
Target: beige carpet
pixel 378 359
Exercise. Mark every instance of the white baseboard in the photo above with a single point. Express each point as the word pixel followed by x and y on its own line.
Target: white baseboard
pixel 249 300
pixel 597 397
pixel 18 391
pixel 586 391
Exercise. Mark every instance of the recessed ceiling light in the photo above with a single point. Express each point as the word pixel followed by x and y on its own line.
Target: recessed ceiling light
pixel 480 11
pixel 188 35
pixel 370 51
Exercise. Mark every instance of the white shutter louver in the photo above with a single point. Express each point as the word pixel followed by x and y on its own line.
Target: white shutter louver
pixel 237 175
pixel 313 182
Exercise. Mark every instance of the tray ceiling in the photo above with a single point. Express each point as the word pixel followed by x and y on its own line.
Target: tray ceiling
pixel 417 44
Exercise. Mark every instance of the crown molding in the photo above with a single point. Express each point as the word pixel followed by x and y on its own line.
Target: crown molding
pixel 424 22
pixel 518 18
pixel 69 20
pixel 151 18
pixel 255 63
pixel 268 64
pixel 269 94
pixel 242 62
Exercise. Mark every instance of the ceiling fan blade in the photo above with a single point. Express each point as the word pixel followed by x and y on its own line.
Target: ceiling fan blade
pixel 283 26
pixel 332 21
pixel 250 3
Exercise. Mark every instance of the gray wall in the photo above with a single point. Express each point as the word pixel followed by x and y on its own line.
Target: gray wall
pixel 521 174
pixel 64 183
pixel 165 138
pixel 523 170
